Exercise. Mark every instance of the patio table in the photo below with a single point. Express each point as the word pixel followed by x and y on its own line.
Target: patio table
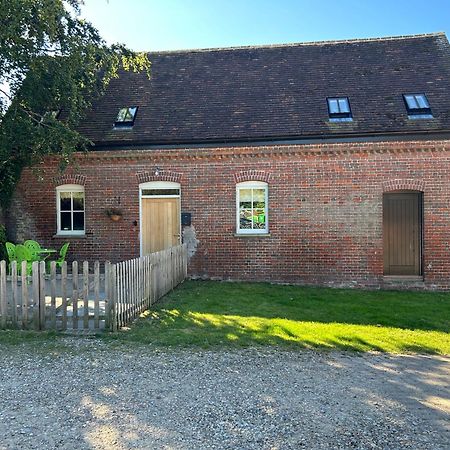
pixel 47 252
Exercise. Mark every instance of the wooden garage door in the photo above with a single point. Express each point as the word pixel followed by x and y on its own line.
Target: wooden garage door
pixel 160 224
pixel 402 223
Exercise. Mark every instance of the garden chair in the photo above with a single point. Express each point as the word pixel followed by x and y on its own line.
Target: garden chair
pixel 34 248
pixel 62 255
pixel 24 254
pixel 11 251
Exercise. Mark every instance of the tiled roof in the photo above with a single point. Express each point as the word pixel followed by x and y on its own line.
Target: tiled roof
pixel 278 92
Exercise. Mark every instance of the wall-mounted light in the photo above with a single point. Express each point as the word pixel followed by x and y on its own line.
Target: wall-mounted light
pixel 157 171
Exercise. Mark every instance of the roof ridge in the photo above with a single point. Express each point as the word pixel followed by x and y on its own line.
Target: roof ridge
pixel 301 44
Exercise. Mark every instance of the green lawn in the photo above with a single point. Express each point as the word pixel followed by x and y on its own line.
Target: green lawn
pixel 207 313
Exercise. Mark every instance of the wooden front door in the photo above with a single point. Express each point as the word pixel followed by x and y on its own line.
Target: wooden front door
pixel 160 224
pixel 402 231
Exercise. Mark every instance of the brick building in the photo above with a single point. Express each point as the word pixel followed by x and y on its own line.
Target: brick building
pixel 317 163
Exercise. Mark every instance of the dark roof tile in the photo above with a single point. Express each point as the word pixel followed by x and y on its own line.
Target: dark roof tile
pixel 255 93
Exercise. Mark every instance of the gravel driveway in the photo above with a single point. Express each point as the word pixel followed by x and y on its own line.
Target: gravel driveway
pixel 97 396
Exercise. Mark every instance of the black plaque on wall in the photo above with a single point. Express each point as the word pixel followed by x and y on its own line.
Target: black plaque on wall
pixel 186 219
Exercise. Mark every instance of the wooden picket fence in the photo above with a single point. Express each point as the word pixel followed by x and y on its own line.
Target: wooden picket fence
pixel 142 281
pixel 87 297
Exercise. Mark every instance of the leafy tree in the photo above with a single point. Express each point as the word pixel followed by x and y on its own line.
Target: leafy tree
pixel 51 60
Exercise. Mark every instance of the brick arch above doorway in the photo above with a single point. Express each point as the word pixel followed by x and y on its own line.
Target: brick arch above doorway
pixel 70 178
pixel 404 185
pixel 252 175
pixel 159 175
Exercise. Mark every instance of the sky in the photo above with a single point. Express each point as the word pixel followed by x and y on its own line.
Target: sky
pixel 184 24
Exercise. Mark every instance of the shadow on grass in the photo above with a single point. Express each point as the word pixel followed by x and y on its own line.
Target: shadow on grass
pixel 205 314
pixel 243 314
pixel 175 328
pixel 409 310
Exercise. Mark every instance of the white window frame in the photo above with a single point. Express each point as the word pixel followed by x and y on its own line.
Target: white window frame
pixel 159 185
pixel 252 185
pixel 69 188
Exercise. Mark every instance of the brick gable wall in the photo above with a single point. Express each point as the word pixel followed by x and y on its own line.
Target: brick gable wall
pixel 325 208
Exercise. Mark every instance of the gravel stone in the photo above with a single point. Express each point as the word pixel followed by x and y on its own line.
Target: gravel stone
pixel 102 396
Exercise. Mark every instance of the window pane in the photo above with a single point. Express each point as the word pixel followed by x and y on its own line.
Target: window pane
pixel 343 105
pixel 160 192
pixel 245 219
pixel 333 105
pixel 121 115
pixel 422 101
pixel 64 199
pixel 245 198
pixel 260 213
pixel 245 195
pixel 66 222
pixel 259 219
pixel 245 205
pixel 78 221
pixel 78 201
pixel 411 102
pixel 126 115
pixel 130 114
pixel 259 195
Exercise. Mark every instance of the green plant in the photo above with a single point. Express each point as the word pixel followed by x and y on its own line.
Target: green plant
pixel 114 214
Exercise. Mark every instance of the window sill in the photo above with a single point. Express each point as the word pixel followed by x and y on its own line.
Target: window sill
pixel 69 236
pixel 122 127
pixel 252 235
pixel 420 116
pixel 341 119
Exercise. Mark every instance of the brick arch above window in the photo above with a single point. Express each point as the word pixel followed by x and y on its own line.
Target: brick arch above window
pixel 403 185
pixel 70 178
pixel 163 175
pixel 252 175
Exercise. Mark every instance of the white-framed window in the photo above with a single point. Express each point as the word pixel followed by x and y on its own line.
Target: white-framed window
pixel 70 209
pixel 252 208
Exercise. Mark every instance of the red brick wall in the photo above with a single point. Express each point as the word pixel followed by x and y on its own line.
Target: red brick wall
pixel 325 208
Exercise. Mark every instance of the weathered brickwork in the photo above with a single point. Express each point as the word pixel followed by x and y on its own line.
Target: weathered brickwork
pixel 325 208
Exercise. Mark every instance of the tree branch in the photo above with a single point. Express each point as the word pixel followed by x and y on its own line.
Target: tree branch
pixel 6 94
pixel 34 116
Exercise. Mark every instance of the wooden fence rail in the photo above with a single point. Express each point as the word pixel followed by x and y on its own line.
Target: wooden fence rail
pixel 139 282
pixel 85 296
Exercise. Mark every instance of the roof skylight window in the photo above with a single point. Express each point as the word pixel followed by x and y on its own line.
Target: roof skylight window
pixel 417 106
pixel 125 117
pixel 339 109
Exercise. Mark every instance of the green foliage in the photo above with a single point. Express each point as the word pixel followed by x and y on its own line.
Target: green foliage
pixel 215 314
pixel 3 255
pixel 50 60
